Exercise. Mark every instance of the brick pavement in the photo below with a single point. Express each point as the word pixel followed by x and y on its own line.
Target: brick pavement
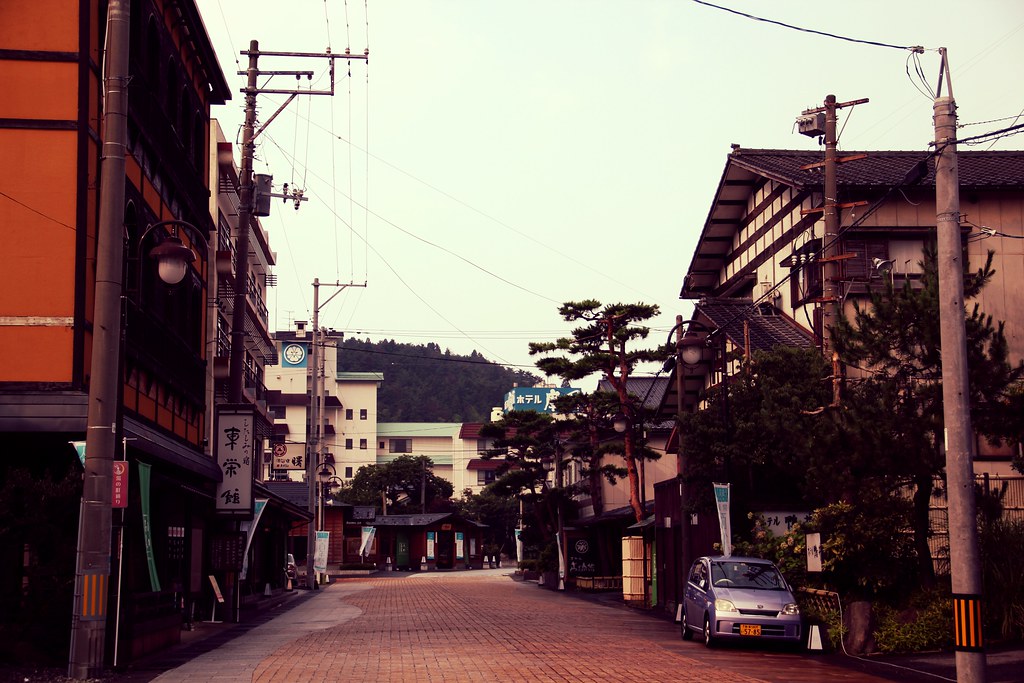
pixel 469 626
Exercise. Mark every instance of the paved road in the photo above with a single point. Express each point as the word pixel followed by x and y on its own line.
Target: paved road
pixel 471 626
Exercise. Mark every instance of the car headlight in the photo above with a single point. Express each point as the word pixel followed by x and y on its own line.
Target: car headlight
pixel 724 606
pixel 791 608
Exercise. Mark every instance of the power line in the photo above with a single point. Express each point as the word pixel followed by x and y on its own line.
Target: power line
pixel 805 30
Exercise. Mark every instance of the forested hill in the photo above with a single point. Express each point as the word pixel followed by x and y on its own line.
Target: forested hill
pixel 422 383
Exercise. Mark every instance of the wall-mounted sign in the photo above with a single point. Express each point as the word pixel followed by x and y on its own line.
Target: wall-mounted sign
pixel 537 399
pixel 293 355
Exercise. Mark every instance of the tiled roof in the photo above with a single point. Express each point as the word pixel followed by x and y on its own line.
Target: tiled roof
pixel 650 389
pixel 470 430
pixel 977 169
pixel 765 324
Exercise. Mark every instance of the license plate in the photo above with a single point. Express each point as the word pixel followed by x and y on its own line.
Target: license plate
pixel 750 630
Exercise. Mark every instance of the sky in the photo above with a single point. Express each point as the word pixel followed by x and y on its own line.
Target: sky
pixel 492 160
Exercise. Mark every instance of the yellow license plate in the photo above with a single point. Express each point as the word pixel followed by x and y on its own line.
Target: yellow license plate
pixel 750 630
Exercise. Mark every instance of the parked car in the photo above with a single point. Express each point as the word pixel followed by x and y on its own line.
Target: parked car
pixel 291 572
pixel 739 597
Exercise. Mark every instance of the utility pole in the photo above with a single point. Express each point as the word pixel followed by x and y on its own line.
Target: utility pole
pixel 964 555
pixel 245 191
pixel 92 564
pixel 812 123
pixel 314 443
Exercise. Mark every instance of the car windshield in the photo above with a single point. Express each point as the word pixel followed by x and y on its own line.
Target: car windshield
pixel 746 575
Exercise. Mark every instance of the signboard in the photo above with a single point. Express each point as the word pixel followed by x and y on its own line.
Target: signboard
pixel 285 458
pixel 582 558
pixel 235 451
pixel 119 496
pixel 216 588
pixel 430 545
pixel 460 552
pixel 814 552
pixel 226 552
pixel 364 513
pixel 537 399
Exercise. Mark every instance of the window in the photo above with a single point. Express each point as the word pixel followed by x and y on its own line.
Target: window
pixel 484 477
pixel 348 413
pixel 362 444
pixel 400 446
pixel 348 444
pixel 362 413
pixel 484 445
pixel 348 472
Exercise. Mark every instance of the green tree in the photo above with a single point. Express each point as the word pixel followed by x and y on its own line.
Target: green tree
pixel 604 343
pixel 527 443
pixel 898 407
pixel 403 481
pixel 499 513
pixel 584 427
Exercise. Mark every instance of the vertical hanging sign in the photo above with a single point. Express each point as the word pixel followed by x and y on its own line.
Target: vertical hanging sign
pixel 119 494
pixel 235 451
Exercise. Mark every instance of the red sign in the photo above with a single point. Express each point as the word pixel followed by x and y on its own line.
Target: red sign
pixel 119 497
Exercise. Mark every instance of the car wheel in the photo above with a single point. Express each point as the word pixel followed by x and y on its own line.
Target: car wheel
pixel 709 640
pixel 684 628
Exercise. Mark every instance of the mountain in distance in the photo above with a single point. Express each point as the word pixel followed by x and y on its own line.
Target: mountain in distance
pixel 423 383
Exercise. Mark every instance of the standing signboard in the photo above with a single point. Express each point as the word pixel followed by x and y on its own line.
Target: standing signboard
pixel 235 451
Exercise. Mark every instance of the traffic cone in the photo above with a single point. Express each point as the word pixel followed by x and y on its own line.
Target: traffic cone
pixel 266 590
pixel 288 586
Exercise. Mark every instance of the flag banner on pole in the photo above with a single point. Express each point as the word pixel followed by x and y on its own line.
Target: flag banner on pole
pixel 147 526
pixel 724 523
pixel 366 541
pixel 320 552
pixel 249 527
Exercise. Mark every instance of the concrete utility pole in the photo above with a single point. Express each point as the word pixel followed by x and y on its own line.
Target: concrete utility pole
pixel 313 438
pixel 964 556
pixel 314 441
pixel 92 572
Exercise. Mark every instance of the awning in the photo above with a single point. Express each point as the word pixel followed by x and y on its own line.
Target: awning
pixel 169 451
pixel 486 465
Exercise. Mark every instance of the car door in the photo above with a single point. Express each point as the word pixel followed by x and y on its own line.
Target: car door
pixel 695 599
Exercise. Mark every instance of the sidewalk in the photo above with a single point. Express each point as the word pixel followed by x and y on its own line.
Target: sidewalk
pixel 1004 663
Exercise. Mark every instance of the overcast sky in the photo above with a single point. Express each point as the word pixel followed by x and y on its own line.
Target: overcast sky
pixel 492 160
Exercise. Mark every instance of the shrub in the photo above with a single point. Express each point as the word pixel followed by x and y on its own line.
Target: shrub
pixel 1002 554
pixel 924 624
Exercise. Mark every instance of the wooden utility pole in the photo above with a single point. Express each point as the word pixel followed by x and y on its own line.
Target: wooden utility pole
pixel 831 296
pixel 964 555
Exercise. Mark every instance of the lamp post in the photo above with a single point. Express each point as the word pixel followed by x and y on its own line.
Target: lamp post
pixel 93 559
pixel 691 343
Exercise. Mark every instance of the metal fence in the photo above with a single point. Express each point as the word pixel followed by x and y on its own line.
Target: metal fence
pixel 1008 490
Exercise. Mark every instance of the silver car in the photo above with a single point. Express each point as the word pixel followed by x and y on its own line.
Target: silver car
pixel 739 597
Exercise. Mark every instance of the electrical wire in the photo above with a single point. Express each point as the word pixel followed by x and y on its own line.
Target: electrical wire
pixel 804 30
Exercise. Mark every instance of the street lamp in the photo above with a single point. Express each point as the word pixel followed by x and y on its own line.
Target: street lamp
pixel 92 564
pixel 692 343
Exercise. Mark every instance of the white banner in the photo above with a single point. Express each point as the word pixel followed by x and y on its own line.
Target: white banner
pixel 724 522
pixel 320 553
pixel 368 532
